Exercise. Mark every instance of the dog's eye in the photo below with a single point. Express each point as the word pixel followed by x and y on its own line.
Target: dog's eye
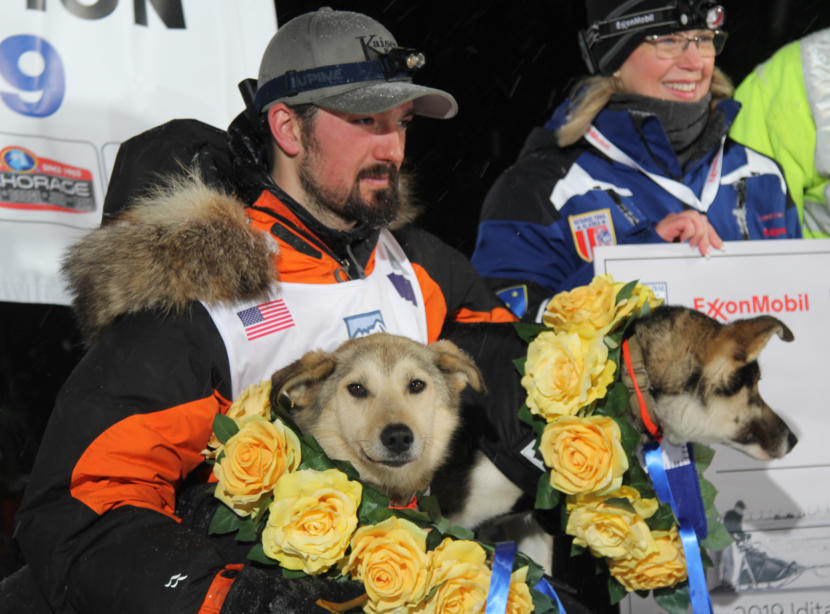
pixel 416 386
pixel 357 390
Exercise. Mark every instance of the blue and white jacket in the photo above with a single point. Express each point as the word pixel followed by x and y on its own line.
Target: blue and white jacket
pixel 545 214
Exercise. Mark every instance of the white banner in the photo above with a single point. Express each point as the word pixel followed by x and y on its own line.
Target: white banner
pixel 78 77
pixel 781 561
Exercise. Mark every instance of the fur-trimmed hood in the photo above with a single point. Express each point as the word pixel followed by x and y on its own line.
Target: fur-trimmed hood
pixel 184 241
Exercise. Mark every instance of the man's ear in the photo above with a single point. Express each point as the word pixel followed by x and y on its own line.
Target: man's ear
pixel 285 128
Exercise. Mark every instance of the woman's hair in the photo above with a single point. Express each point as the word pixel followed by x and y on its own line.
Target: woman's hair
pixel 590 95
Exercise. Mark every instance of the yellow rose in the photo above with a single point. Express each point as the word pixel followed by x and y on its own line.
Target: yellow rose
pixel 254 401
pixel 255 458
pixel 313 515
pixel 639 296
pixel 591 311
pixel 645 508
pixel 564 373
pixel 519 600
pixel 665 567
pixel 459 577
pixel 608 529
pixel 390 559
pixel 586 310
pixel 584 454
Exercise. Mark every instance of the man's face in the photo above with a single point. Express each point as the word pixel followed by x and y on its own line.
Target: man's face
pixel 349 164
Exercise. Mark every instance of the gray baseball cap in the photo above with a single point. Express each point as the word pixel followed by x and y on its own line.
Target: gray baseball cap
pixel 346 62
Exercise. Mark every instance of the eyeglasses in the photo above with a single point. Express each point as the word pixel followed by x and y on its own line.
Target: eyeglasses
pixel 670 46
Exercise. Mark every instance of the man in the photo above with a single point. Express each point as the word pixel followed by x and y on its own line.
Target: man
pixel 180 300
pixel 784 115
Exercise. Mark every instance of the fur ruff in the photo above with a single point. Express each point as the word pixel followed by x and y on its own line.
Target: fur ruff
pixel 182 242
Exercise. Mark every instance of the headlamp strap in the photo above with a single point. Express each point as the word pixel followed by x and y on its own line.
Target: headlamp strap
pixel 295 81
pixel 634 22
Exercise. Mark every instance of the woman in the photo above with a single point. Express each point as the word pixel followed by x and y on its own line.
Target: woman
pixel 638 153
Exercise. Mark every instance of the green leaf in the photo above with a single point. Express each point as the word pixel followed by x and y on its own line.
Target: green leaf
pixel 703 456
pixel 434 539
pixel 542 604
pixel 629 437
pixel 292 574
pixel 708 492
pixel 258 555
pixel 442 525
pixel 620 503
pixel 224 521
pixel 313 457
pixel 459 532
pixel 528 332
pixel 224 428
pixel 546 497
pixel 645 310
pixel 616 591
pixel 662 519
pixel 520 363
pixel 532 420
pixel 419 518
pixel 374 506
pixel 717 537
pixel 625 292
pixel 615 403
pixel 576 550
pixel 705 558
pixel 247 531
pixel 429 505
pixel 675 599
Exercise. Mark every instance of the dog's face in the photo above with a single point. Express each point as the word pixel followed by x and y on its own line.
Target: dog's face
pixel 704 377
pixel 385 403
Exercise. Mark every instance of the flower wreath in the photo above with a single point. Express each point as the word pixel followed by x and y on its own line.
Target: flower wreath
pixel 579 409
pixel 310 514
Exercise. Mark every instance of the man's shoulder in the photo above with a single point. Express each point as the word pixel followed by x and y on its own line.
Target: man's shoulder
pixel 169 149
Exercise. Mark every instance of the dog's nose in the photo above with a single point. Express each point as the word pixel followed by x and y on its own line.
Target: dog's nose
pixel 397 438
pixel 791 441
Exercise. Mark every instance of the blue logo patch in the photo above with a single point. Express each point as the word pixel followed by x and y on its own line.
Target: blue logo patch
pixel 515 298
pixel 365 324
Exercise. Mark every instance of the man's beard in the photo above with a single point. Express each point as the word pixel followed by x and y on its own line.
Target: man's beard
pixel 379 210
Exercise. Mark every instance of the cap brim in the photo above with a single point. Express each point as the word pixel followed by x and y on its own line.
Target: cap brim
pixel 380 97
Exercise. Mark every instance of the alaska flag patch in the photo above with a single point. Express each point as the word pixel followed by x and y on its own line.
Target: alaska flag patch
pixel 515 299
pixel 590 230
pixel 364 324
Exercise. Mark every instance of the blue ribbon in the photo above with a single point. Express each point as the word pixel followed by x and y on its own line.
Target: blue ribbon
pixel 543 587
pixel 499 589
pixel 500 578
pixel 678 486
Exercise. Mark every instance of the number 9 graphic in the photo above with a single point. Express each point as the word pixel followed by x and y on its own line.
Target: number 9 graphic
pixel 50 82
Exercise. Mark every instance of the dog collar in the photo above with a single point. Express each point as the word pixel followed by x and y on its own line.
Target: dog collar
pixel 399 505
pixel 635 377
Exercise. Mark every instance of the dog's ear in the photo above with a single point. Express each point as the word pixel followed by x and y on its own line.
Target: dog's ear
pixel 299 379
pixel 458 366
pixel 746 338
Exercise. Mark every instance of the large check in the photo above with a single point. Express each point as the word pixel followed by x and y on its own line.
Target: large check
pixel 779 510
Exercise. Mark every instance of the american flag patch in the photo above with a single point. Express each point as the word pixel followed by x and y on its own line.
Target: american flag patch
pixel 265 319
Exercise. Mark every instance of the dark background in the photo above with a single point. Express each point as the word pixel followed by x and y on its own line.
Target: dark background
pixel 507 64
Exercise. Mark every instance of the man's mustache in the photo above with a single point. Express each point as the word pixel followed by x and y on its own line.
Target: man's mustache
pixel 380 171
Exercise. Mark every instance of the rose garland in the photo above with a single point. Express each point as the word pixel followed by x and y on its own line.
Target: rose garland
pixel 312 515
pixel 579 410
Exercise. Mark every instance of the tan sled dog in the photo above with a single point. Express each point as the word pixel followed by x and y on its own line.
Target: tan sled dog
pixel 385 403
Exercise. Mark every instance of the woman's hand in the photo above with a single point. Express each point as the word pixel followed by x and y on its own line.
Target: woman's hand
pixel 689 226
